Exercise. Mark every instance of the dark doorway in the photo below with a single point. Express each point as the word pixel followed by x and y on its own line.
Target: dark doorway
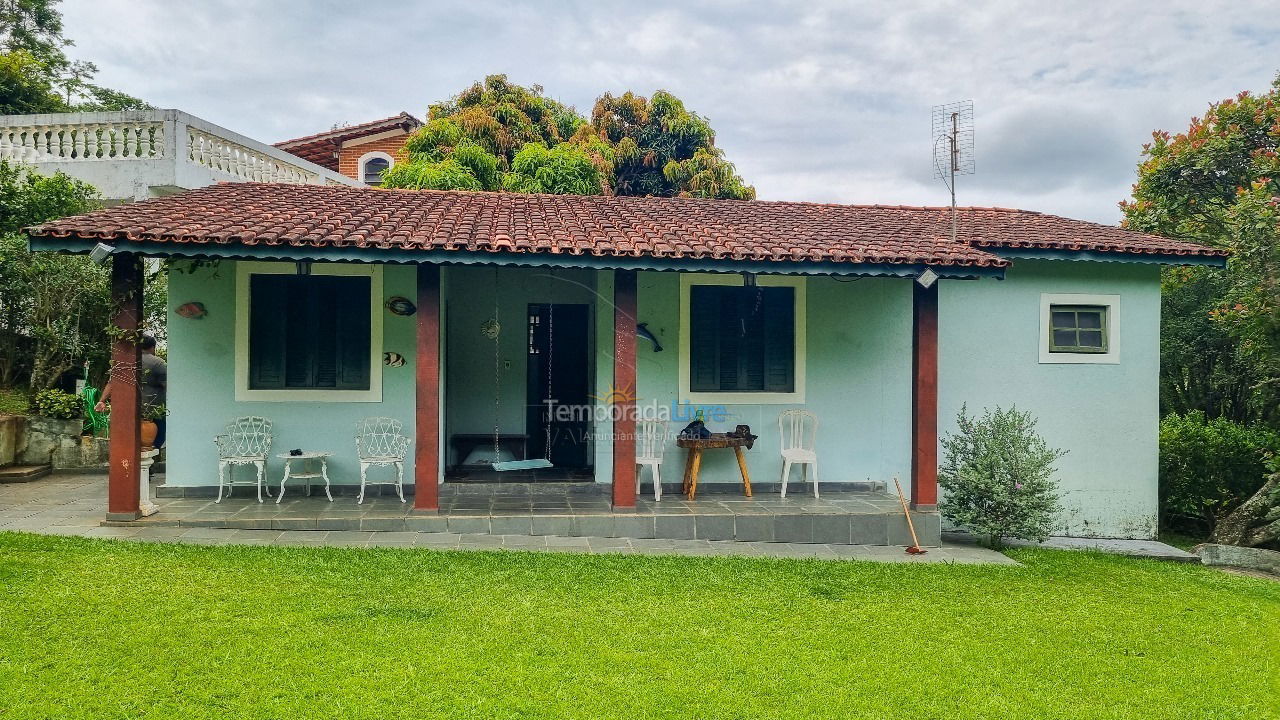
pixel 559 370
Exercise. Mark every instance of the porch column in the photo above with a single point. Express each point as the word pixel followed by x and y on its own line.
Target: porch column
pixel 624 385
pixel 126 440
pixel 924 397
pixel 426 459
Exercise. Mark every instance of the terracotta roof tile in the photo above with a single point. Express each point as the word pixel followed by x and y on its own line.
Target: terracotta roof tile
pixel 320 147
pixel 338 216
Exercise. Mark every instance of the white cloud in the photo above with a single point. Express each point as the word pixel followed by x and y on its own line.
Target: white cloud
pixel 824 101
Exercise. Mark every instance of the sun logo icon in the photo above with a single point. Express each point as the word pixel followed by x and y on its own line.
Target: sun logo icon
pixel 615 396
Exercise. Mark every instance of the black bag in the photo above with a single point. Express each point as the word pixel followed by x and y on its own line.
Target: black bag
pixel 696 430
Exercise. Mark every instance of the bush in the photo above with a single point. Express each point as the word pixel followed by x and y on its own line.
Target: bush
pixel 57 404
pixel 1208 467
pixel 998 476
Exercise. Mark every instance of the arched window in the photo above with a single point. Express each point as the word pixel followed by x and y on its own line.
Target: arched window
pixel 372 166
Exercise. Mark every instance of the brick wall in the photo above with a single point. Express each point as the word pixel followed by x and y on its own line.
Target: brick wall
pixel 349 157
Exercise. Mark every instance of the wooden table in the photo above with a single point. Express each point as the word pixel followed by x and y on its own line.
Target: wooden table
pixel 693 462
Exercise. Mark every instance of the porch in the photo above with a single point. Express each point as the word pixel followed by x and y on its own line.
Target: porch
pixel 856 514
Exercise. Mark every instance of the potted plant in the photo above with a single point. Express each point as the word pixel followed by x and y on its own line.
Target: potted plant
pixel 150 414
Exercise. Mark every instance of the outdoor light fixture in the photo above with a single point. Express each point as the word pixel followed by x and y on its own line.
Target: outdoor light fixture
pixel 927 278
pixel 303 267
pixel 100 253
pixel 748 279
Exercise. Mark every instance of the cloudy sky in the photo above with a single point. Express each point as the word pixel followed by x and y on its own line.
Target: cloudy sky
pixel 813 100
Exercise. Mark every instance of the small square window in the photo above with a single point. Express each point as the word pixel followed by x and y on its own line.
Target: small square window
pixel 1078 329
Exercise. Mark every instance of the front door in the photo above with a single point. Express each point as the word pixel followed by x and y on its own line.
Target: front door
pixel 559 370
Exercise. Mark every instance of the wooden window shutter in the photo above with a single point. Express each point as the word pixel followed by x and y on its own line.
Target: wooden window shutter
pixel 780 339
pixel 352 333
pixel 704 339
pixel 268 298
pixel 309 332
pixel 741 339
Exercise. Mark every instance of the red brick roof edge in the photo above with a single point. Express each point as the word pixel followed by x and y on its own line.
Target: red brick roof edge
pixel 321 216
pixel 319 148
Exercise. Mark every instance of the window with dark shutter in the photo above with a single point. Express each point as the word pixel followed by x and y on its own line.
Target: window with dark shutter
pixel 742 339
pixel 309 332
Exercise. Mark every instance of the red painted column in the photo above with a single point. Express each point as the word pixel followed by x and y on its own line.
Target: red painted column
pixel 126 401
pixel 624 385
pixel 426 461
pixel 924 397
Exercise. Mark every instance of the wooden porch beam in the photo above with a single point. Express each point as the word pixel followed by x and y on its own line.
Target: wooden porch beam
pixel 624 386
pixel 924 397
pixel 426 461
pixel 125 447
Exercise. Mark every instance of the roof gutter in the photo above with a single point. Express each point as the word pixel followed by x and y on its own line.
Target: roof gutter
pixel 1095 256
pixel 290 253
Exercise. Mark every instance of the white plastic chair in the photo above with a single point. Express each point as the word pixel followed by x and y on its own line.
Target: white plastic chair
pixel 245 441
pixel 380 442
pixel 651 439
pixel 799 432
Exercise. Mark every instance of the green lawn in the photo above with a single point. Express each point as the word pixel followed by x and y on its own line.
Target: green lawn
pixel 103 629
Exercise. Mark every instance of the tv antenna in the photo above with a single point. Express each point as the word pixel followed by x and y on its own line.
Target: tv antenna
pixel 953 147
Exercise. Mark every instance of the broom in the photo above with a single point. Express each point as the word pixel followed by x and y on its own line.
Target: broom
pixel 915 548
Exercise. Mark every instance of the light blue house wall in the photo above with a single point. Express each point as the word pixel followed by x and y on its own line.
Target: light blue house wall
pixel 201 392
pixel 1105 415
pixel 857 335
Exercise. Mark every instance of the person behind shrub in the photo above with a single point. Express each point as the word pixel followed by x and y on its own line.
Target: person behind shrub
pixel 153 376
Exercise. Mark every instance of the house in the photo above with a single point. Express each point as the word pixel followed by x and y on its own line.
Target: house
pixel 361 151
pixel 523 329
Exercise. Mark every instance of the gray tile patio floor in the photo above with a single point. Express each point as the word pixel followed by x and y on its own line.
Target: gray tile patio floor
pixel 64 504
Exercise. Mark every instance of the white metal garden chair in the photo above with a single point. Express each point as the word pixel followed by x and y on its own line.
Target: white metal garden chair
pixel 799 433
pixel 380 442
pixel 245 441
pixel 651 439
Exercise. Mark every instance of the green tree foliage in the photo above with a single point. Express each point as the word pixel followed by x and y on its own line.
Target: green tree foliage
pixel 562 170
pixel 662 149
pixel 54 309
pixel 497 135
pixel 1218 183
pixel 1208 467
pixel 998 476
pixel 35 73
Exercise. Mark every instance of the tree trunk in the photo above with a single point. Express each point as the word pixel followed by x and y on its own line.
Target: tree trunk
pixel 1255 522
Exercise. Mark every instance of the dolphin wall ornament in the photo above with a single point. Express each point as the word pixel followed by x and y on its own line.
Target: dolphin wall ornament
pixel 644 332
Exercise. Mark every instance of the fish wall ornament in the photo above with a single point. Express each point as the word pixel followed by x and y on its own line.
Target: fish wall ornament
pixel 191 310
pixel 392 359
pixel 402 306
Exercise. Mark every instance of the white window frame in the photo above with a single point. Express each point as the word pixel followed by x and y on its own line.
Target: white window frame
pixel 244 393
pixel 1110 302
pixel 391 162
pixel 688 397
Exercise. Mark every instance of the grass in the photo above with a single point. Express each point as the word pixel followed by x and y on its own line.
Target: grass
pixel 104 629
pixel 14 401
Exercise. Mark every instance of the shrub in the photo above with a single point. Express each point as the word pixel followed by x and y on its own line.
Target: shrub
pixel 57 404
pixel 1208 467
pixel 998 476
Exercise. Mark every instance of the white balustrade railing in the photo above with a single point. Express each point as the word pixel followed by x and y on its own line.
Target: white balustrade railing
pixel 87 141
pixel 243 162
pixel 190 151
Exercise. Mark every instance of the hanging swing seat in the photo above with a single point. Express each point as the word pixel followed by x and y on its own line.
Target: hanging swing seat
pixel 532 464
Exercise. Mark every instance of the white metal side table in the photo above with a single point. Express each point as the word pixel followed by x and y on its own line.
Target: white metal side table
pixel 307 472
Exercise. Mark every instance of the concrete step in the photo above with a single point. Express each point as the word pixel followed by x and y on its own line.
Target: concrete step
pixel 824 528
pixel 23 473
